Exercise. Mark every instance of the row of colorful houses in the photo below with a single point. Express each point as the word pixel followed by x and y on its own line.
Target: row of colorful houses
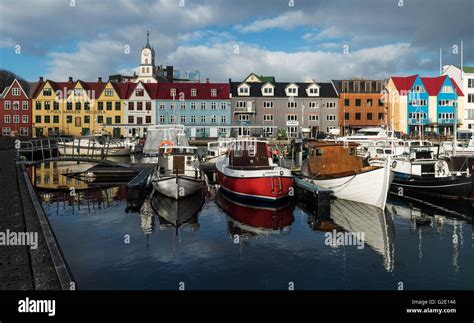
pixel 126 109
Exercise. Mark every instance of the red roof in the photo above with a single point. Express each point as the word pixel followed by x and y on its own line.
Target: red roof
pixel 404 83
pixel 125 89
pixel 458 90
pixel 433 84
pixel 203 91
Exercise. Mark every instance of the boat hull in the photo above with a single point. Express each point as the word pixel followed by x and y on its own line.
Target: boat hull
pixel 449 187
pixel 177 187
pixel 369 187
pixel 69 150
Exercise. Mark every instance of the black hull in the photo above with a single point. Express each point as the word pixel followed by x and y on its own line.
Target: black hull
pixel 451 187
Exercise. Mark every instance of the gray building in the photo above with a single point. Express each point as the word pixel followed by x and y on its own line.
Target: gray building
pixel 274 106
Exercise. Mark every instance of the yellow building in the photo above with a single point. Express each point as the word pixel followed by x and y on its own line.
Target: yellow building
pixel 76 108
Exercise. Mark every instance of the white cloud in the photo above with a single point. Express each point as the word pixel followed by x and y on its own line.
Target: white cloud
pixel 286 20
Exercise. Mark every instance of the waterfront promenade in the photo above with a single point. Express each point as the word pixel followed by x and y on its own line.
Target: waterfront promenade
pixel 21 267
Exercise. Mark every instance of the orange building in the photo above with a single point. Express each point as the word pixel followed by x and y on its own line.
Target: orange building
pixel 361 104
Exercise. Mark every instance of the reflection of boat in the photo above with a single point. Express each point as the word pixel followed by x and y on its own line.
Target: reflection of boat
pixel 248 171
pixel 254 219
pixel 177 212
pixel 337 167
pixel 378 228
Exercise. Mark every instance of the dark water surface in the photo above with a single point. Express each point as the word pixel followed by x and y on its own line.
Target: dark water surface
pixel 113 241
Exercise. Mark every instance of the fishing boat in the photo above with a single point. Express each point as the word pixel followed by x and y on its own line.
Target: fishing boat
pixel 336 166
pixel 177 173
pixel 248 171
pixel 420 172
pixel 96 146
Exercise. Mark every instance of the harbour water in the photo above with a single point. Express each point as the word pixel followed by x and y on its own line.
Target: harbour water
pixel 111 241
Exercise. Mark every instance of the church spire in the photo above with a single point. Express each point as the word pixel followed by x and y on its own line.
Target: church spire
pixel 148 39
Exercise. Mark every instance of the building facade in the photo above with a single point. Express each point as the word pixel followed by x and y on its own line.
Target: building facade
pixel 15 111
pixel 361 104
pixel 425 105
pixel 203 108
pixel 466 81
pixel 284 108
pixel 140 107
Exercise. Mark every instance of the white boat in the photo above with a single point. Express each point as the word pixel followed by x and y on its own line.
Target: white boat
pixel 95 146
pixel 365 135
pixel 215 149
pixel 459 148
pixel 336 166
pixel 177 172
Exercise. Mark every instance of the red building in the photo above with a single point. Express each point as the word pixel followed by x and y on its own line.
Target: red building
pixel 15 111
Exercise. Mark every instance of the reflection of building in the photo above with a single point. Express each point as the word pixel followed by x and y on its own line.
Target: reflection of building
pixel 47 175
pixel 147 220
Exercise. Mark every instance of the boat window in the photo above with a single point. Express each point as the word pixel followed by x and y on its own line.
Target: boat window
pixel 423 155
pixel 352 151
pixel 251 150
pixel 379 151
pixel 416 143
pixel 388 151
pixel 318 152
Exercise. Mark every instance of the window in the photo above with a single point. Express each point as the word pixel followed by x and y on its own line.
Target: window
pixel 369 102
pixel 470 83
pixel 16 105
pixel 358 116
pixel 139 92
pixel 313 90
pixel 87 106
pixel 69 119
pixel 291 91
pixel 346 116
pixel 47 106
pixel 6 105
pixel 203 105
pixel 24 119
pixel 347 102
pixel 55 119
pixel 77 92
pixel 313 105
pixel 139 106
pixel 193 119
pixel 183 119
pixel 109 92
pixel 16 118
pixel 47 119
pixel 223 119
pixel 381 116
pixel 213 119
pixel 241 104
pixel 447 89
pixel 331 105
pixel 162 119
pixel 37 119
pixel 108 106
pixel 213 92
pixel 5 131
pixel 418 88
pixel 55 105
pixel 131 106
pixel 268 104
pixel 292 117
pixel 148 119
pixel 162 105
pixel 380 103
pixel 117 119
pixel 313 117
pixel 131 119
pixel 331 117
pixel 38 105
pixel 357 86
pixel 173 92
pixel 244 117
pixel 193 105
pixel 183 105
pixel 108 120
pixel 24 105
pixel 223 106
pixel 292 132
pixel 100 106
pixel 203 119
pixel 148 106
pixel 268 117
pixel 193 92
pixel 470 98
pixel 243 90
pixel 369 116
pixel 87 119
pixel 292 104
pixel 117 106
pixel 23 131
pixel 173 119
pixel 358 102
pixel 443 103
pixel 139 120
pixel 213 106
pixel 47 91
pixel 268 90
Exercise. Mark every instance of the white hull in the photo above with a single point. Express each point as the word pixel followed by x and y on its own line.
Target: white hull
pixel 176 188
pixel 370 187
pixel 68 150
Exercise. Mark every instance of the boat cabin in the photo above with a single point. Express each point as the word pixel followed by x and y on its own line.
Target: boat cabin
pixel 249 154
pixel 181 160
pixel 328 159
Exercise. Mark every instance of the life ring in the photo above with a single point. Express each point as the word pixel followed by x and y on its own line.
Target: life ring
pixel 168 144
pixel 394 164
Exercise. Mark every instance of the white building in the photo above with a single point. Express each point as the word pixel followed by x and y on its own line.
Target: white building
pixel 465 80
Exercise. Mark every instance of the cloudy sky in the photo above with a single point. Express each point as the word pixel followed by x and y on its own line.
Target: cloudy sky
pixel 295 40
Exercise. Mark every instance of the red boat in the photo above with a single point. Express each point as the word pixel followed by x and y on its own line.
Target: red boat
pixel 247 170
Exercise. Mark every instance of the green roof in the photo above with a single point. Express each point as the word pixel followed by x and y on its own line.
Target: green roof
pixel 266 79
pixel 468 69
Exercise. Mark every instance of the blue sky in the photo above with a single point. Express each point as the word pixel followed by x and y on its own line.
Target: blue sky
pixel 294 43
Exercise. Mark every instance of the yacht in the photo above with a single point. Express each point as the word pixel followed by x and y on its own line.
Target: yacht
pixel 365 135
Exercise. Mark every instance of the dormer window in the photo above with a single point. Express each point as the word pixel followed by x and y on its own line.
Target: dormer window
pixel 418 88
pixel 213 92
pixel 292 91
pixel 139 92
pixel 313 91
pixel 345 86
pixel 447 89
pixel 109 92
pixel 46 92
pixel 244 90
pixel 77 92
pixel 268 90
pixel 173 92
pixel 193 92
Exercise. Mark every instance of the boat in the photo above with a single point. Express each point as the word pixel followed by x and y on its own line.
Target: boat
pixel 95 146
pixel 177 173
pixel 459 148
pixel 247 170
pixel 336 166
pixel 254 219
pixel 365 135
pixel 421 173
pixel 215 149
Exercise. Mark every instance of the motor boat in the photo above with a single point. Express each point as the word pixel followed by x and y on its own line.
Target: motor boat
pixel 420 172
pixel 336 166
pixel 365 135
pixel 247 170
pixel 459 148
pixel 177 173
pixel 95 146
pixel 215 149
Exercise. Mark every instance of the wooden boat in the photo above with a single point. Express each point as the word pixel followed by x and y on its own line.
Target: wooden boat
pixel 336 166
pixel 248 171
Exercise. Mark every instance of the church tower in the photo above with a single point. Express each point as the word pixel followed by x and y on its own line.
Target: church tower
pixel 147 69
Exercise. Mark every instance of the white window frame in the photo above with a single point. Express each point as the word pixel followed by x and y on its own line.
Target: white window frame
pixel 24 119
pixel 7 105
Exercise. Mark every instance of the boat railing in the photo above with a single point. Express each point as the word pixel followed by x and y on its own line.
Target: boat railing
pixel 76 146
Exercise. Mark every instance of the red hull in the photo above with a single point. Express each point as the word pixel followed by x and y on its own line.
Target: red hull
pixel 268 188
